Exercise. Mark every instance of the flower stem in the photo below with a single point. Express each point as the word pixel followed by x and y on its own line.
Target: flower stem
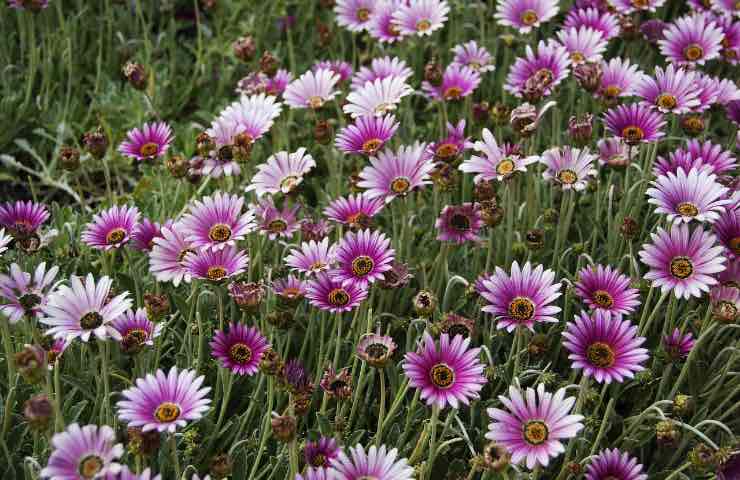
pixel 432 442
pixel 381 411
pixel 173 453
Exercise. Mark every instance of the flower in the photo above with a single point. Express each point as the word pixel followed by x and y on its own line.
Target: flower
pixel 290 289
pixel 275 222
pixel 362 256
pixel 312 474
pixel 691 40
pixel 375 349
pixel 283 172
pixel 341 68
pixel 682 260
pixel 26 295
pixel 584 44
pixel 382 26
pixel 678 345
pixel 321 453
pixel 354 15
pixel 457 83
pixel 216 222
pixel 136 330
pixel 614 464
pixel 327 293
pixel 312 89
pixel 532 429
pixel 568 167
pixel 356 211
pixel 379 69
pixel 473 56
pixel 392 174
pixel 84 309
pixel 312 257
pixel 164 402
pixel 420 17
pixel 605 288
pixel 145 232
pixel 630 6
pixel 367 135
pixel 459 223
pixel 619 78
pixel 150 142
pixel 653 30
pixel 337 384
pixel 32 5
pixel 635 123
pixel 377 98
pixel 216 265
pixel 83 452
pixel 606 23
pixel 23 219
pixel 605 347
pixel 684 197
pixel 111 228
pixel 251 116
pixel 55 350
pixel 522 298
pixel 727 229
pixel 725 302
pixel 672 90
pixel 448 374
pixel 613 152
pixel 707 91
pixel 525 15
pixel 496 164
pixel 546 67
pixel 699 155
pixel 239 349
pixel 376 463
pixel 166 259
pixel 296 377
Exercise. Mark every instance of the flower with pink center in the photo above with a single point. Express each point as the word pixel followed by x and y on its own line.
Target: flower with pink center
pixel 283 172
pixel 525 15
pixel 362 258
pixel 312 89
pixel 547 66
pixel 584 44
pixel 216 265
pixel 381 68
pixel 150 142
pixel 393 174
pixel 696 155
pixel 354 15
pixel 613 464
pixel 457 83
pixel 136 330
pixel 605 23
pixel 631 6
pixel 691 40
pixel 727 229
pixel 672 90
pixel 635 123
pixel 382 26
pixel 459 223
pixel 239 348
pixel 217 221
pixel 356 211
pixel 311 257
pixel 111 228
pixel 23 294
pixel 327 293
pixel 607 289
pixel 21 218
pixel 367 135
pixel 166 259
pixel 684 197
pixel 339 67
pixel 275 222
pixel 618 79
pixel 421 17
pixel 377 98
pixel 678 345
pixel 474 56
pixel 568 167
pixel 376 463
pixel 495 163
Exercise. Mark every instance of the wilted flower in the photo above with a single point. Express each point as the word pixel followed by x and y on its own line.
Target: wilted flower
pixel 337 384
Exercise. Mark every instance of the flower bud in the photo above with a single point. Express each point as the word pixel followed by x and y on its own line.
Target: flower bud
pixel 136 75
pixel 323 132
pixel 535 239
pixel 666 433
pixel 496 457
pixel 481 112
pixel 157 306
pixel 31 363
pixel 337 385
pixel 221 466
pixel 433 73
pixel 397 277
pixel 143 443
pixel 177 165
pixel 269 64
pixel 69 158
pixel 692 124
pixel 424 302
pixel 244 48
pixel 96 143
pixel 283 427
pixel 581 129
pixel 629 228
pixel 38 411
pixel 247 295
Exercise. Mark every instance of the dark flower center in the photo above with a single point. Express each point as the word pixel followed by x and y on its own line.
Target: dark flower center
pixel 216 272
pixel 319 460
pixel 633 134
pixel 666 101
pixel 734 244
pixel 149 149
pixel 447 150
pixel 371 147
pixel 363 14
pixel 693 52
pixel 681 267
pixel 29 301
pixel 220 232
pixel 535 432
pixel 687 209
pixel 529 17
pixel 460 222
pixel 115 236
pixel 458 329
pixel 544 76
pixel 167 412
pixel 91 320
pixel 442 375
pixel 521 308
pixel 135 338
pixel 400 185
pixel 423 25
pixel 90 466
pixel 183 254
pixel 277 226
pixel 567 176
pixel 339 297
pixel 240 353
pixel 612 91
pixel 359 220
pixel 362 265
pixel 600 355
pixel 505 167
pixel 452 93
pixel 226 153
pixel 376 351
pixel 603 299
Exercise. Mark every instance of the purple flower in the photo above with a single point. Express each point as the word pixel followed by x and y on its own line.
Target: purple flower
pixel 216 222
pixel 630 6
pixel 362 257
pixel 548 66
pixel 707 92
pixel 614 152
pixel 568 167
pixel 377 98
pixel 614 464
pixel 457 83
pixel 459 223
pixel 684 197
pixel 4 241
pixel 291 288
pixel 421 17
pixel 731 42
pixel 450 147
pixel 606 289
pixel 275 222
pixel 283 172
pixel 672 90
pixel 691 40
pixel 354 15
pixel 252 116
pixel 635 123
pixel 339 67
pixel 356 211
pixel 23 218
pixel 151 141
pixel 381 68
pixel 376 463
pixel 312 89
pixel 618 79
pixel 367 135
pixel 525 15
pixel 25 294
pixel 495 163
pixel 83 452
pixel 727 229
pixel 697 155
pixel 382 26
pixel 239 349
pixel 313 474
pixel 473 56
pixel 312 257
pixel 393 174
pixel 166 260
pixel 584 44
pixel 136 330
pixel 327 293
pixel 31 5
pixel 321 453
pixel 111 228
pixel 216 265
pixel 678 345
pixel 604 22
pixel 145 232
pixel 376 349
pixel 653 30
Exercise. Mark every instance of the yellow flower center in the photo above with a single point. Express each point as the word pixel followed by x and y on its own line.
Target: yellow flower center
pixel 319 460
pixel 400 185
pixel 289 183
pixel 567 176
pixel 115 236
pixel 529 17
pixel 521 308
pixel 167 412
pixel 535 432
pixel 687 209
pixel 693 52
pixel 216 272
pixel 545 76
pixel 315 102
pixel 362 265
pixel 666 101
pixel 371 147
pixel 453 93
pixel 423 25
pixel 277 226
pixel 505 167
pixel 240 353
pixel 363 14
pixel 220 232
pixel 91 320
pixel 612 91
pixel 600 355
pixel 90 466
pixel 339 297
pixel 442 376
pixel 135 337
pixel 633 134
pixel 681 267
pixel 640 4
pixel 149 149
pixel 735 245
pixel 446 151
pixel 183 253
pixel 577 57
pixel 603 299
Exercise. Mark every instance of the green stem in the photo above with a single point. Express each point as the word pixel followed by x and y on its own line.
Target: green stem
pixel 175 459
pixel 381 411
pixel 432 442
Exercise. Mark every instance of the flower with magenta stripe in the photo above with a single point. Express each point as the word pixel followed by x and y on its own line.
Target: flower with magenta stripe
pixel 311 257
pixel 239 349
pixel 25 294
pixel 613 464
pixel 216 265
pixel 547 67
pixel 459 223
pixel 375 463
pixel 367 135
pixel 283 172
pixel 362 257
pixel 136 330
pixel 525 15
pixel 691 40
pixel 635 123
pixel 23 218
pixel 111 228
pixel 321 453
pixel 355 211
pixel 421 17
pixel 495 163
pixel 151 141
pixel 569 167
pixel 327 293
pixel 217 221
pixel 473 56
pixel 678 345
pixel 605 288
pixel 83 453
pixel 672 90
pixel 396 174
pixel 684 197
pixel 167 257
pixel 381 68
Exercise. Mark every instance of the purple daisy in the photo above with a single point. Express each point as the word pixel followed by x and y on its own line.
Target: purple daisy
pixel 356 211
pixel 697 155
pixel 605 23
pixel 727 229
pixel 313 474
pixel 584 44
pixel 376 463
pixel 166 259
pixel 367 135
pixel 454 144
pixel 377 98
pixel 381 68
pixel 163 402
pixel 136 330
pixel 683 261
pixel 321 453
pixel 23 218
pixel 327 293
pixel 605 347
pixel 495 163
pixel 568 167
pixel 277 84
pixel 631 6
pixel 618 79
pixel 672 90
pixel 535 424
pixel 382 27
pixel 635 123
pixel 239 349
pixel 522 298
pixel 457 83
pixel 525 15
pixel 392 174
pixel 290 289
pixel 252 117
pixel 127 474
pixel 84 309
pixel 151 141
pixel 684 197
pixel 362 257
pixel 354 15
pixel 31 5
pixel 614 464
pixel 728 7
pixel 312 257
pixel 216 265
pixel 283 172
pixel 144 233
pixel 421 17
pixel 473 56
pixel 25 294
pixel 731 42
pixel 614 152
pixel 448 374
pixel 312 89
pixel 604 288
pixel 216 222
pixel 547 67
pixel 275 222
pixel 707 91
pixel 678 345
pixel 691 40
pixel 229 140
pixel 459 223
pixel 339 67
pixel 83 452
pixel 111 228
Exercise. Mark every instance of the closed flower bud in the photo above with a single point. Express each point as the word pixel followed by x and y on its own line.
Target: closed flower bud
pixel 323 132
pixel 337 385
pixel 629 29
pixel 538 345
pixel 501 114
pixel 519 250
pixel 424 302
pixel 283 427
pixel 629 228
pixel 326 35
pixel 221 466
pixel 244 48
pixel 581 129
pixel 588 75
pixel 666 433
pixel 96 143
pixel 454 324
pixel 433 73
pixel 491 213
pixel 135 74
pixel 551 216
pixel 702 457
pixel 177 165
pixel 484 190
pixel 481 112
pixel 301 403
pixel 327 4
pixel 397 277
pixel 281 319
pixel 523 119
pixel 271 363
pixel 269 64
pixel 535 239
pixel 38 411
pixel 247 295
pixel 69 158
pixel 31 363
pixel 496 457
pixel 157 306
pixel 683 405
pixel 204 144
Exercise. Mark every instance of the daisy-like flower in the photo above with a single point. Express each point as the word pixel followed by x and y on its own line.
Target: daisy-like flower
pixel 312 257
pixel 683 261
pixel 614 152
pixel 275 222
pixel 613 464
pixel 568 167
pixel 253 116
pixel 111 228
pixel 377 98
pixel 731 42
pixel 707 92
pixel 473 56
pixel 605 288
pixel 362 257
pixel 84 309
pixel 448 374
pixel 327 293
pixel 392 174
pixel 421 17
pixel 31 5
pixel 4 240
pixel 535 424
pixel 728 6
pixel 379 69
pixel 144 233
pixel 367 135
pixel 340 67
pixel 356 211
pixel 321 453
pixel 618 79
pixel 525 15
pixel 136 330
pixel 605 23
pixel 635 123
pixel 239 349
pixel 166 260
pixel 450 147
pixel 277 84
pixel 354 15
pixel 548 66
pixel 376 463
pixel 459 223
pixel 282 172
pixel 290 289
pixel 699 155
pixel 726 301
pixel 382 26
pixel 23 219
pixel 217 221
pixel 54 351
pixel 727 229
pixel 584 44
pixel 25 294
pixel 151 141
pixel 630 6
pixel 216 265
pixel 312 89
pixel 83 453
pixel 232 145
pixel 672 90
pixel 606 348
pixel 376 349
pixel 684 197
pixel 494 164
pixel 313 474
pixel 691 40
pixel 457 83
pixel 678 345
pixel 164 402
pixel 522 298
